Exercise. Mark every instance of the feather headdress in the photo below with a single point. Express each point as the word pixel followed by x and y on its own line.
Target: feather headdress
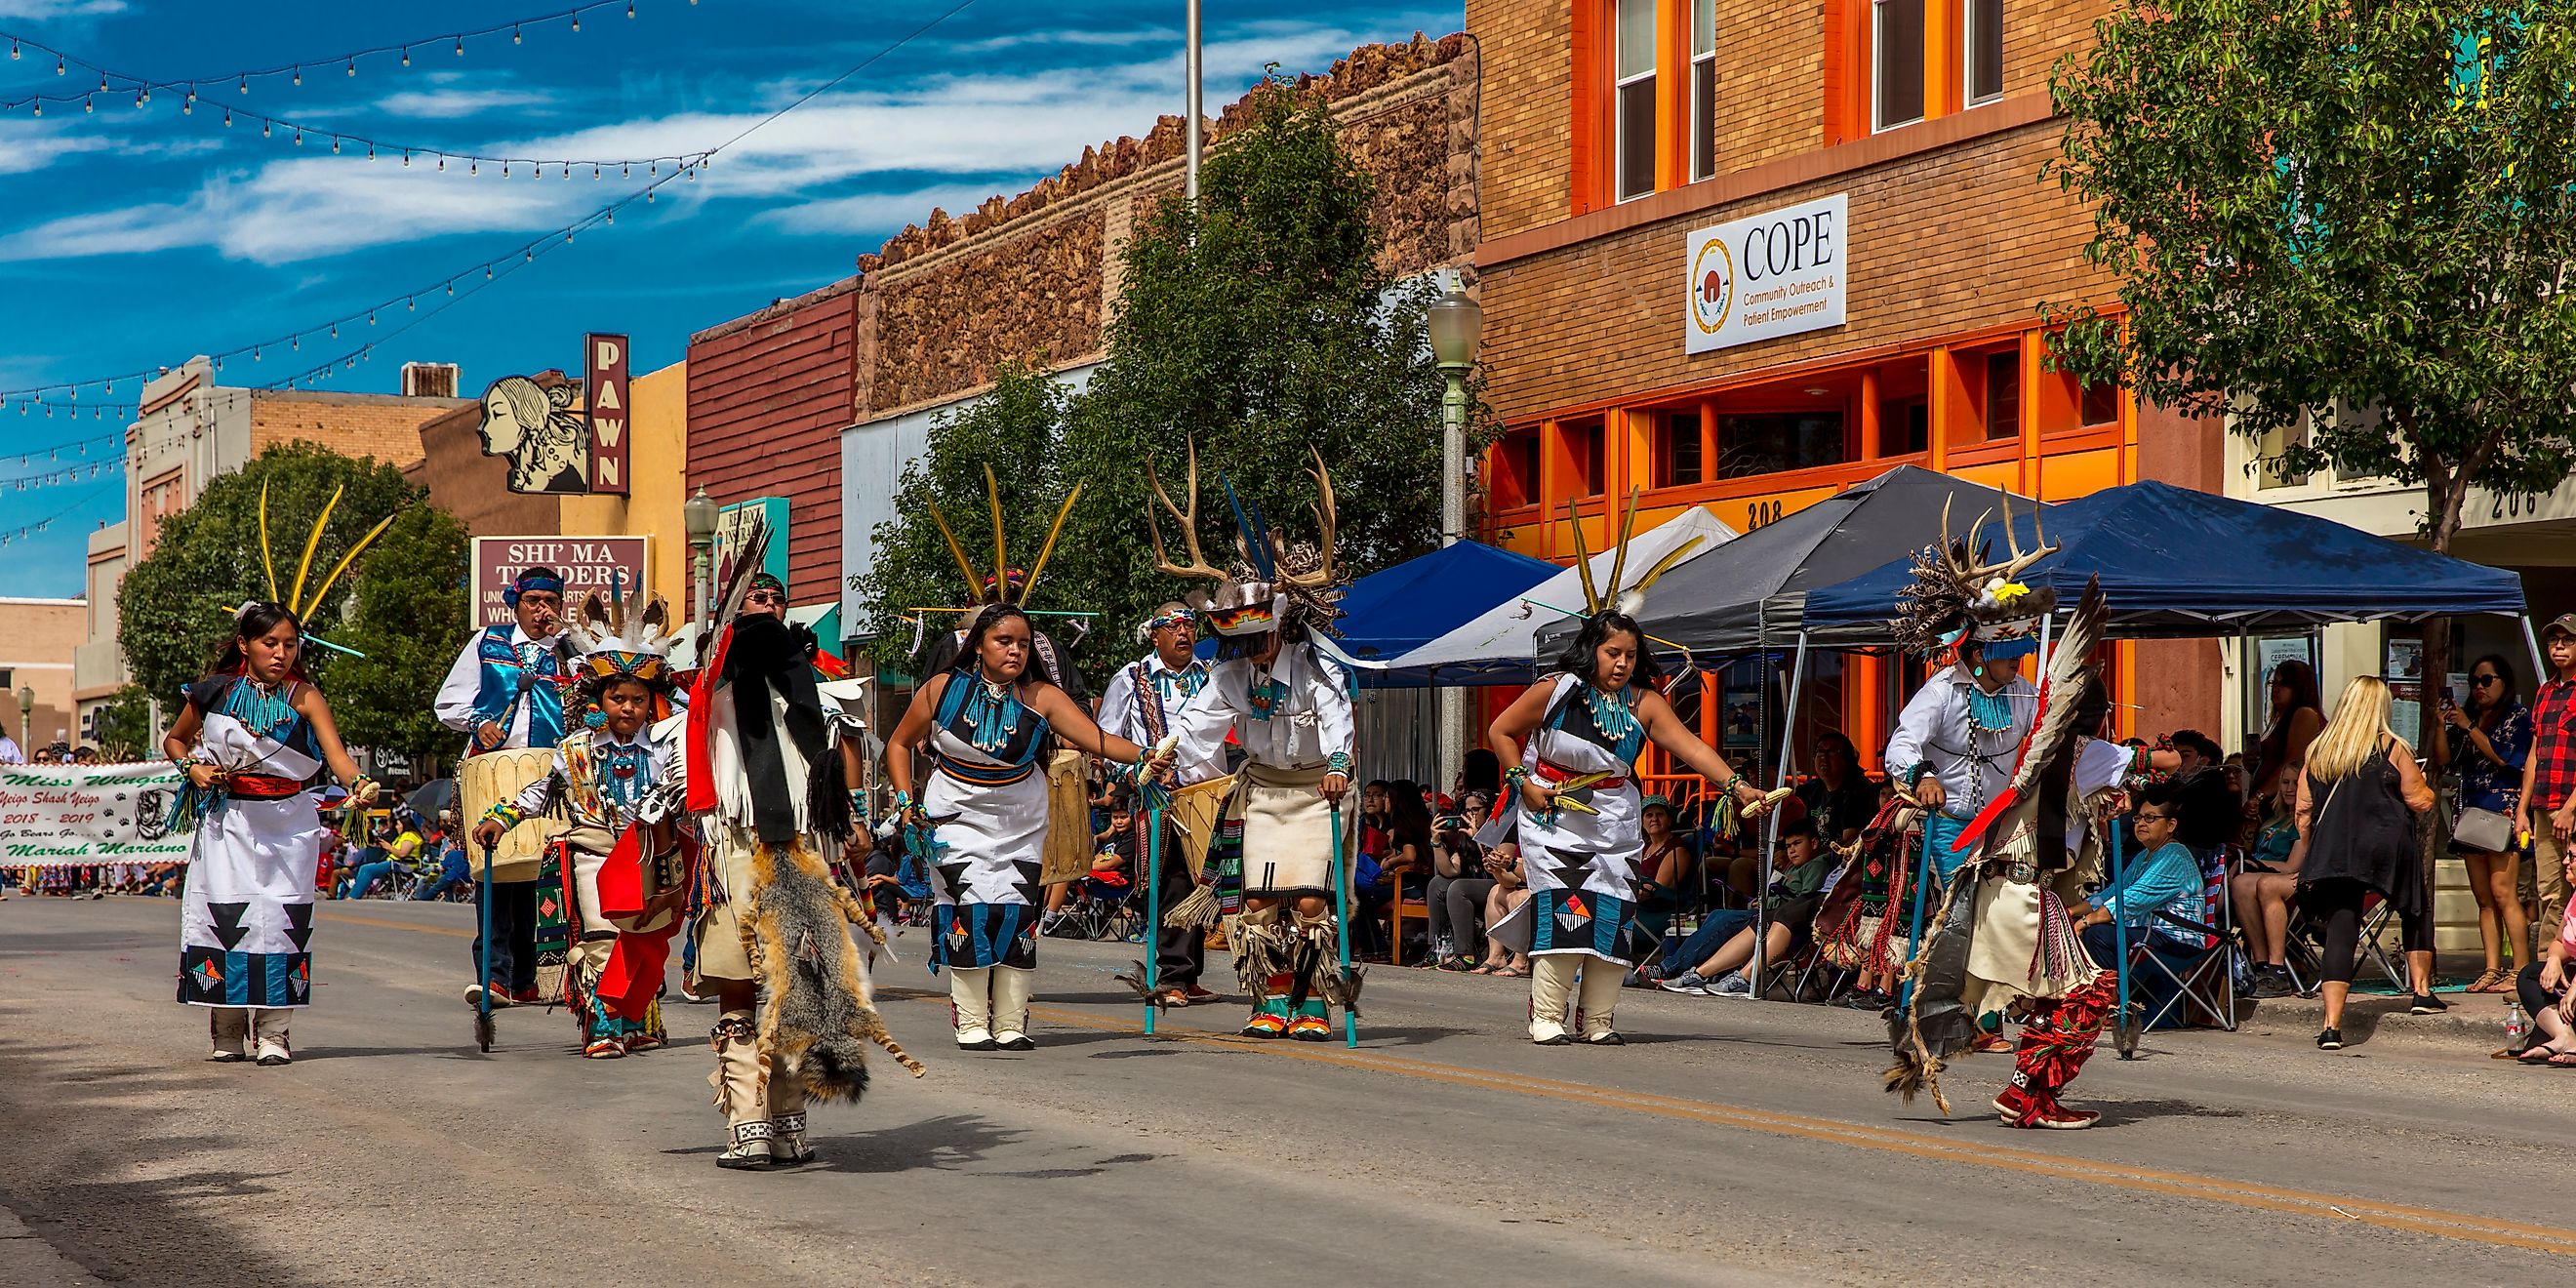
pixel 1006 584
pixel 1959 595
pixel 619 641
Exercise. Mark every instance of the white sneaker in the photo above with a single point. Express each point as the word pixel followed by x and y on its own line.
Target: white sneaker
pixel 272 1051
pixel 1687 983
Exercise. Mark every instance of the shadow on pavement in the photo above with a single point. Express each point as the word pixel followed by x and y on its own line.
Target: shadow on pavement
pixel 77 1132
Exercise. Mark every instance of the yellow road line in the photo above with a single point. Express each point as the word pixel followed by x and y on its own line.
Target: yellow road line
pixel 2190 1185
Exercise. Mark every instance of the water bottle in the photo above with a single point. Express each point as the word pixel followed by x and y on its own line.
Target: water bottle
pixel 2516 1024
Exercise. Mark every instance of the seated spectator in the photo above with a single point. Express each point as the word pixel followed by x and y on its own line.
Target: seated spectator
pixel 1839 796
pixel 1377 881
pixel 1724 943
pixel 2261 894
pixel 1510 891
pixel 398 840
pixel 2165 879
pixel 1108 876
pixel 454 870
pixel 1455 894
pixel 2546 995
pixel 1668 872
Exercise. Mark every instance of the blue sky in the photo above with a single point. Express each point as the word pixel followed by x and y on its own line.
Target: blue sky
pixel 133 237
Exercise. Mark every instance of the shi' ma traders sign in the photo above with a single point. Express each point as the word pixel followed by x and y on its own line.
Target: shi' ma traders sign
pixel 1772 274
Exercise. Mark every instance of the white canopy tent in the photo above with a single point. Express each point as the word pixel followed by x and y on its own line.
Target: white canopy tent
pixel 1498 646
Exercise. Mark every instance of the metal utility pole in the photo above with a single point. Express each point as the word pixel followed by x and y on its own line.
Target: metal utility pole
pixel 1190 118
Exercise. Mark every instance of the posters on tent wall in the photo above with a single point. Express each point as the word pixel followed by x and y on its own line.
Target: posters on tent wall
pixel 77 815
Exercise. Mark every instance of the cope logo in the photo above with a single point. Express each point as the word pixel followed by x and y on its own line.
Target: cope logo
pixel 1712 286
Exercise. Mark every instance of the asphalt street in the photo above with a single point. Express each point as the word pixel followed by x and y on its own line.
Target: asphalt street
pixel 1729 1142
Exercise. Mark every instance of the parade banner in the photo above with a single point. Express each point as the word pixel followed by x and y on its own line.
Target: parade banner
pixel 79 815
pixel 585 562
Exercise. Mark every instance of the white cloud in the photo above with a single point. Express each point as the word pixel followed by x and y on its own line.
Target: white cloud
pixel 859 162
pixel 44 9
pixel 26 147
pixel 455 104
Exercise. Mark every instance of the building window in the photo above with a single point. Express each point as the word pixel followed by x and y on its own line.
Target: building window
pixel 1896 58
pixel 1586 443
pixel 1985 51
pixel 2100 403
pixel 1776 442
pixel 1904 426
pixel 1515 481
pixel 2269 472
pixel 2003 394
pixel 1677 457
pixel 1635 75
pixel 1703 73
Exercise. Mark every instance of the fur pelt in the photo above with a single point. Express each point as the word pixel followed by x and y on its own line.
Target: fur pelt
pixel 817 1012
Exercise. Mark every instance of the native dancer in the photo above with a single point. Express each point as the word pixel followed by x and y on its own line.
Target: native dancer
pixel 2001 941
pixel 767 767
pixel 1572 742
pixel 250 740
pixel 617 872
pixel 505 693
pixel 982 820
pixel 1006 585
pixel 1271 871
pixel 1139 705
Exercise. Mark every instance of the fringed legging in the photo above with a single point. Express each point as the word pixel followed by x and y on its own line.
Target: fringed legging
pixel 2059 1037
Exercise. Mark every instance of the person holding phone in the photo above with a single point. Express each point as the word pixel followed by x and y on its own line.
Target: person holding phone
pixel 2488 740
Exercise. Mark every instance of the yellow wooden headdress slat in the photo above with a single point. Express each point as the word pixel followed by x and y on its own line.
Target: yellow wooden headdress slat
pixel 295 597
pixel 1582 560
pixel 957 551
pixel 1001 549
pixel 267 562
pixel 1030 586
pixel 305 609
pixel 1619 561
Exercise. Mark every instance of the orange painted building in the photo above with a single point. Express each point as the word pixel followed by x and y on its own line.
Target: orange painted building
pixel 1871 173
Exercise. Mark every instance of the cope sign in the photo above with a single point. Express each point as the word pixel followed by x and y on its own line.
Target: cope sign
pixel 1777 273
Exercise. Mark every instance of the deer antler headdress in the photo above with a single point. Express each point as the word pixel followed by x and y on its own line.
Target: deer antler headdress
pixel 1006 584
pixel 1959 595
pixel 1273 582
pixel 619 640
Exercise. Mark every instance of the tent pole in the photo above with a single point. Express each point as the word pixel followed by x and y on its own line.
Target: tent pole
pixel 2540 670
pixel 2246 711
pixel 1771 839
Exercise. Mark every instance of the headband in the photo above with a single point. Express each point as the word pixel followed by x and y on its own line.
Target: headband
pixel 1177 617
pixel 525 582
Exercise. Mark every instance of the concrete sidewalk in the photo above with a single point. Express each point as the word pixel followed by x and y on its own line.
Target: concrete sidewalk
pixel 27 1261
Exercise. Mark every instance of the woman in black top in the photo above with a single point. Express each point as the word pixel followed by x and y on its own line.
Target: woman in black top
pixel 2356 806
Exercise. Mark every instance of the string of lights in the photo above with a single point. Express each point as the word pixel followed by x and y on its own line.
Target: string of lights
pixel 443 291
pixel 67 474
pixel 114 84
pixel 24 531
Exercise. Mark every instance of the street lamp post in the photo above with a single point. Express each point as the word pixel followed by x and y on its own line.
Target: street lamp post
pixel 26 717
pixel 1457 323
pixel 698 515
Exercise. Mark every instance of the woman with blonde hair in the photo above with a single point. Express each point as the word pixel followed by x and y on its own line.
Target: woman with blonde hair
pixel 2356 802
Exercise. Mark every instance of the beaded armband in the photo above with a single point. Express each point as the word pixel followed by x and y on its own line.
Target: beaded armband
pixel 1338 763
pixel 1515 776
pixel 507 814
pixel 1914 774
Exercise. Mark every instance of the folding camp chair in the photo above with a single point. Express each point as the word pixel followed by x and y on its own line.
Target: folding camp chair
pixel 2186 963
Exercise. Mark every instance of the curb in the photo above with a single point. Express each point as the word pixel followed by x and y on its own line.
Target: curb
pixel 2473 1017
pixel 25 1258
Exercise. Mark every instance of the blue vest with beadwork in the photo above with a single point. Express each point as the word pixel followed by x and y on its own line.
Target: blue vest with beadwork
pixel 510 672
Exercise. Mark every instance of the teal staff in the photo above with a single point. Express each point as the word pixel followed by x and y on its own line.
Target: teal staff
pixel 1153 910
pixel 483 994
pixel 1342 929
pixel 2121 1040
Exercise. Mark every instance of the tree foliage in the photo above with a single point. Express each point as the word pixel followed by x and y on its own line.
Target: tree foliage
pixel 2325 205
pixel 1260 323
pixel 2346 219
pixel 125 727
pixel 409 617
pixel 175 606
pixel 1014 430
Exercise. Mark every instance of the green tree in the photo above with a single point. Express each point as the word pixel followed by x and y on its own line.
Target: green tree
pixel 175 607
pixel 409 615
pixel 2343 222
pixel 1014 430
pixel 125 726
pixel 1263 324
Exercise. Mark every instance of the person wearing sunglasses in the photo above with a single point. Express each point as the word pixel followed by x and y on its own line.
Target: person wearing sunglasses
pixel 2487 740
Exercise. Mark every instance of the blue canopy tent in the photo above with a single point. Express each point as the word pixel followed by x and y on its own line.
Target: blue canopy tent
pixel 2176 563
pixel 1394 611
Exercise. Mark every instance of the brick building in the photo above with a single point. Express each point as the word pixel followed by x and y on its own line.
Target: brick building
pixel 36 658
pixel 820 400
pixel 1885 157
pixel 190 430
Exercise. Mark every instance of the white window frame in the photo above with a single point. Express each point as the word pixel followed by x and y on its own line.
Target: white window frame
pixel 1877 57
pixel 1703 123
pixel 1619 105
pixel 1968 59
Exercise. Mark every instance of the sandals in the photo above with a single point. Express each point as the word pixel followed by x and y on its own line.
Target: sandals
pixel 2536 1053
pixel 2495 980
pixel 1514 972
pixel 2563 1060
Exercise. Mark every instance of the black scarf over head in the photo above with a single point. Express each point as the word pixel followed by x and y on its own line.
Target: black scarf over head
pixel 768 655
